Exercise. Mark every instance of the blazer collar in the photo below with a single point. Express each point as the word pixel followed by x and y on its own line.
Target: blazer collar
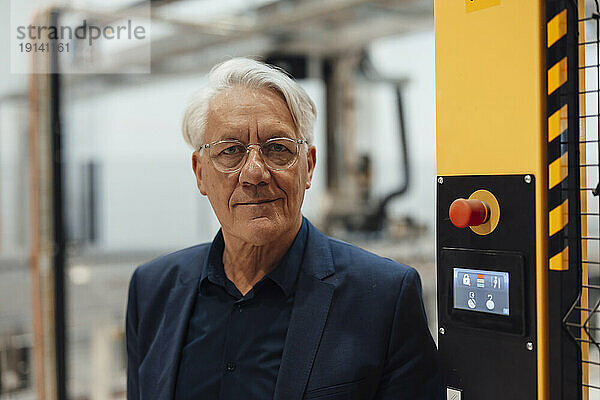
pixel 307 321
pixel 318 261
pixel 309 315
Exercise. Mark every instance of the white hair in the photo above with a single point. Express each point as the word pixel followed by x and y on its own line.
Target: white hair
pixel 254 74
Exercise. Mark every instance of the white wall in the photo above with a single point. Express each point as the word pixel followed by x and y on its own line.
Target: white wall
pixel 146 188
pixel 9 83
pixel 14 207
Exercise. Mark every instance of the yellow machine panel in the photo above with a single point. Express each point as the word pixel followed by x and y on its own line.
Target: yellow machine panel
pixel 490 111
pixel 490 114
pixel 511 123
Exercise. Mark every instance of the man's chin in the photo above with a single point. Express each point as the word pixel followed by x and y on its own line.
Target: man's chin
pixel 261 230
pixel 264 226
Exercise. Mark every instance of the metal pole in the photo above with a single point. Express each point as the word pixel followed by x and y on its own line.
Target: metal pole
pixel 58 220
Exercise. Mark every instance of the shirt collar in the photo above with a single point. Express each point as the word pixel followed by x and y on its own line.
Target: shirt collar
pixel 213 268
pixel 284 275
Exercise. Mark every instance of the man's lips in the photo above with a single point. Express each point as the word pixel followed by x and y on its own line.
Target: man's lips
pixel 255 202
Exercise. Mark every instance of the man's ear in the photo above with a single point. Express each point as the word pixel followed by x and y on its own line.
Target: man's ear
pixel 197 167
pixel 311 160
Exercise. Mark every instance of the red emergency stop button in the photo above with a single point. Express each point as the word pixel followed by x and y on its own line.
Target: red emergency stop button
pixel 470 212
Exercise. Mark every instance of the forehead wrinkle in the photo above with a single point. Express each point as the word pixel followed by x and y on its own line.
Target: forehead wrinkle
pixel 223 126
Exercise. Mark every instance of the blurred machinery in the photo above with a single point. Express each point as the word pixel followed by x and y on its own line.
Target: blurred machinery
pixel 357 209
pixel 517 199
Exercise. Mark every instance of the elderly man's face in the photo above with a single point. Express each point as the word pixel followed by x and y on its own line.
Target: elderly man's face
pixel 255 204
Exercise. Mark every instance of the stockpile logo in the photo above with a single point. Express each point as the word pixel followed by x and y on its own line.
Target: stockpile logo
pixel 61 39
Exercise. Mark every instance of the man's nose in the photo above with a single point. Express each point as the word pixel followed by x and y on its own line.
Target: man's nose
pixel 254 171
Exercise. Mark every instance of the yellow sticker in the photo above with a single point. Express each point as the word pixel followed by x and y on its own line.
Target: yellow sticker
pixel 474 5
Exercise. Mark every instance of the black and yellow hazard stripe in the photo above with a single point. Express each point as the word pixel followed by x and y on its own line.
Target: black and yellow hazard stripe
pixel 566 372
pixel 557 151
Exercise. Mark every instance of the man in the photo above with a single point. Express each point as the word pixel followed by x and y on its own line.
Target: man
pixel 272 308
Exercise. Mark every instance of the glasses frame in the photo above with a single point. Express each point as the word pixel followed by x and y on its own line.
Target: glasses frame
pixel 297 142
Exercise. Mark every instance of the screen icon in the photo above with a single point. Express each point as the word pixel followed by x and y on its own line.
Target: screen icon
pixel 471 302
pixel 480 280
pixel 466 280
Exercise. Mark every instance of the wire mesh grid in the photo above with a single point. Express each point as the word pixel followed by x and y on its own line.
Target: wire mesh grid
pixel 583 319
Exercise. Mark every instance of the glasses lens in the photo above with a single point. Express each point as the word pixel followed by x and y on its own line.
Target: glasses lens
pixel 280 153
pixel 227 155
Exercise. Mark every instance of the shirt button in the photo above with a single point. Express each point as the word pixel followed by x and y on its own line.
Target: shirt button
pixel 230 366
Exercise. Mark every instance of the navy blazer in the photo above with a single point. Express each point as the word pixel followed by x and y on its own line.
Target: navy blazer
pixel 357 330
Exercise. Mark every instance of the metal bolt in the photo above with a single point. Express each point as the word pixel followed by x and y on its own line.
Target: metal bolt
pixel 527 178
pixel 442 331
pixel 440 180
pixel 529 346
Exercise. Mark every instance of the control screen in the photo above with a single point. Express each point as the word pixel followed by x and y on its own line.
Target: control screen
pixel 481 290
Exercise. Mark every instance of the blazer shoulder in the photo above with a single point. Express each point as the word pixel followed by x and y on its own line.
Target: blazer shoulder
pixel 182 264
pixel 352 259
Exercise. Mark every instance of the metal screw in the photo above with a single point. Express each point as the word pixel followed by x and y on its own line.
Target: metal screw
pixel 529 346
pixel 442 331
pixel 527 178
pixel 440 180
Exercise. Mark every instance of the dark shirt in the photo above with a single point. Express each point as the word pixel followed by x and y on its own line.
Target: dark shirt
pixel 234 343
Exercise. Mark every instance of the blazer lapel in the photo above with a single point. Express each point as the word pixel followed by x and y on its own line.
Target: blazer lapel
pixel 170 338
pixel 311 307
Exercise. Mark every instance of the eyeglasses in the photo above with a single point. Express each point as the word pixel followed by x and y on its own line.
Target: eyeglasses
pixel 230 155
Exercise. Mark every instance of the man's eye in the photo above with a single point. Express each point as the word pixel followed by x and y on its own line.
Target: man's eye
pixel 231 150
pixel 277 147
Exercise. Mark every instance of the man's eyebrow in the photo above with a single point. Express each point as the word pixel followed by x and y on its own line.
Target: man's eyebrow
pixel 279 133
pixel 227 134
pixel 277 129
